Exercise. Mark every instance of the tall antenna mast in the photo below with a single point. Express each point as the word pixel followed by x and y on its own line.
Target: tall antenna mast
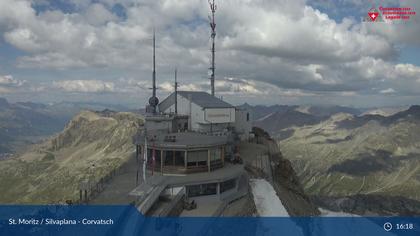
pixel 153 101
pixel 154 63
pixel 176 93
pixel 213 8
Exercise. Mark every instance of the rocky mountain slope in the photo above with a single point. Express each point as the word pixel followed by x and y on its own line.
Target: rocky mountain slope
pixel 91 145
pixel 279 172
pixel 385 111
pixel 26 123
pixel 365 155
pixel 276 122
pixel 277 118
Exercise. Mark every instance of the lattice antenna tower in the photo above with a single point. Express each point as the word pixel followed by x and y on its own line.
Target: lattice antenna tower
pixel 213 8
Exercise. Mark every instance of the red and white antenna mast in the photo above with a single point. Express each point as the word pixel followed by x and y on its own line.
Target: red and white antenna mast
pixel 212 68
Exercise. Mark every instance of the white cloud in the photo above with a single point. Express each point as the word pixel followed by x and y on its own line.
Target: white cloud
pixel 4 90
pixel 281 47
pixel 24 39
pixel 84 86
pixel 8 80
pixel 237 87
pixel 387 91
pixel 53 60
pixel 286 29
pixel 97 14
pixel 9 85
pixel 309 36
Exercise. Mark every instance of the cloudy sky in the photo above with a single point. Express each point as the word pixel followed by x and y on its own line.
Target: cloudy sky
pixel 268 51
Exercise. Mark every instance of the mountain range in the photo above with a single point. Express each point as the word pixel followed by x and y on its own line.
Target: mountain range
pixel 96 146
pixel 337 152
pixel 351 153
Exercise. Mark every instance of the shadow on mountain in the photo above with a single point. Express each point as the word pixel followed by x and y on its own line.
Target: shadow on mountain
pixel 327 111
pixel 285 134
pixel 332 141
pixel 368 205
pixel 368 163
pixel 277 121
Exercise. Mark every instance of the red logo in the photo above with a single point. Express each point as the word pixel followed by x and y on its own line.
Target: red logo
pixel 373 15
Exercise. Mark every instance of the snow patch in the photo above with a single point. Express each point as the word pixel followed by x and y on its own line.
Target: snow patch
pixel 265 117
pixel 266 199
pixel 328 213
pixel 268 204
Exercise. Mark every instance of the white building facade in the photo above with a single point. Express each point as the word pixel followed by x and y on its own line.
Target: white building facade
pixel 207 113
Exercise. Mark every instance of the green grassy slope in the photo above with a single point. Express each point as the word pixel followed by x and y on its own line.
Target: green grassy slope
pixel 89 147
pixel 371 159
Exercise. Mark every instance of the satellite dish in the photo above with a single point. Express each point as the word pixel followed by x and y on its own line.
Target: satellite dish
pixel 153 101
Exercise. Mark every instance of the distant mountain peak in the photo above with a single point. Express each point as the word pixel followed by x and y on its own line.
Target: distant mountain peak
pixel 4 103
pixel 414 109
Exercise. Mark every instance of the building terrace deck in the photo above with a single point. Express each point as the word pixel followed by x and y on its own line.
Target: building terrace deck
pixel 219 175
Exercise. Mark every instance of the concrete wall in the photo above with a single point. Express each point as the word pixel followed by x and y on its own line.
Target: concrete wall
pixel 162 126
pixel 243 123
pixel 214 127
pixel 219 115
pixel 200 119
pixel 185 107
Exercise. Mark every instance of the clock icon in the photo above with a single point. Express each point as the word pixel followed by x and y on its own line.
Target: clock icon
pixel 387 226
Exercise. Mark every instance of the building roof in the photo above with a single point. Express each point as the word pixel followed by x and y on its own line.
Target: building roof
pixel 205 100
pixel 202 99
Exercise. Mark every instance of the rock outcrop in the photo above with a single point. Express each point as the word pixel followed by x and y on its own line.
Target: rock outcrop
pixel 285 180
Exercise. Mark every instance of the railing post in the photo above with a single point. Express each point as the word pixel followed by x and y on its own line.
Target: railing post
pixel 185 159
pixel 161 162
pixel 208 159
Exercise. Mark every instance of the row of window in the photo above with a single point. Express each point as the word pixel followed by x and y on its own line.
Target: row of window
pixel 210 189
pixel 177 158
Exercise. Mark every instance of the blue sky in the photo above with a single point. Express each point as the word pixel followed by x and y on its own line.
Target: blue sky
pixel 268 51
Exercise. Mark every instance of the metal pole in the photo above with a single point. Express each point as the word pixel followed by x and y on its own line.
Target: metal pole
pixel 154 63
pixel 145 156
pixel 176 93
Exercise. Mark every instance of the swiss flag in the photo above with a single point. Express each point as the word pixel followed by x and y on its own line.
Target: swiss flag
pixel 373 15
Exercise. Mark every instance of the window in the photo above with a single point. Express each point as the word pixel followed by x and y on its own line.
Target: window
pixel 227 185
pixel 215 154
pixel 247 116
pixel 202 190
pixel 197 158
pixel 179 158
pixel 169 158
